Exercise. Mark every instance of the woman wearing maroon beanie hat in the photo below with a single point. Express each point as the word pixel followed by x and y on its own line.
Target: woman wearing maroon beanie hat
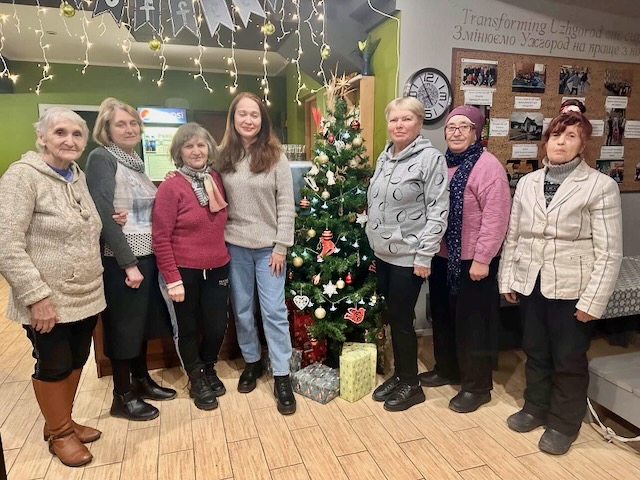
pixel 463 287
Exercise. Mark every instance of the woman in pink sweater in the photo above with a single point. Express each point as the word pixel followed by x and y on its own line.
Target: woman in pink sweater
pixel 189 217
pixel 463 286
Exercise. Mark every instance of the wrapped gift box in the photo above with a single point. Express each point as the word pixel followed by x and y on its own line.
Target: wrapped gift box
pixel 368 347
pixel 298 327
pixel 314 352
pixel 317 382
pixel 357 373
pixel 295 362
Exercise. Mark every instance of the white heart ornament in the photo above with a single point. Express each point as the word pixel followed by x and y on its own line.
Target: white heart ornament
pixel 301 301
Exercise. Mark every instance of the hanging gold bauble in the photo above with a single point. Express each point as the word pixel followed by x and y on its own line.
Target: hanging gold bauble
pixel 325 52
pixel 357 141
pixel 325 195
pixel 311 233
pixel 320 313
pixel 268 28
pixel 297 262
pixel 67 10
pixel 340 284
pixel 155 44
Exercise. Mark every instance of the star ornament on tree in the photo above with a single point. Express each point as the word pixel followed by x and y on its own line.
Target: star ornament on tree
pixel 361 218
pixel 330 289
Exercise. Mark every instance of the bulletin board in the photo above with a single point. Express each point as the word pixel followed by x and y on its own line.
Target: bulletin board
pixel 621 78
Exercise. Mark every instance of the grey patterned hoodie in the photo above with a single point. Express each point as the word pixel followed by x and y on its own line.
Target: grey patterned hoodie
pixel 408 204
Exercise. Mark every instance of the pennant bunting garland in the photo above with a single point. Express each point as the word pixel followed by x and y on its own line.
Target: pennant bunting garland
pixel 246 8
pixel 146 11
pixel 182 15
pixel 114 7
pixel 216 13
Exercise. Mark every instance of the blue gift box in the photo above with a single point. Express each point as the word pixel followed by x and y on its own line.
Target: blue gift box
pixel 317 382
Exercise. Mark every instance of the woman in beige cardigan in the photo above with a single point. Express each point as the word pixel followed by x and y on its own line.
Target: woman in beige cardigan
pixel 50 255
pixel 561 256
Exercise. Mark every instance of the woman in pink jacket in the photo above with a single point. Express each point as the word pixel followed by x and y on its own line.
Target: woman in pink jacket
pixel 463 286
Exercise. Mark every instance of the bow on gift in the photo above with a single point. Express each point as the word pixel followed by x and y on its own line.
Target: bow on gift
pixel 356 315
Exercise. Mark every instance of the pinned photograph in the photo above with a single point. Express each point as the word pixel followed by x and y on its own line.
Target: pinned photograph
pixel 526 126
pixel 614 126
pixel 618 82
pixel 574 80
pixel 516 169
pixel 529 77
pixel 613 168
pixel 478 73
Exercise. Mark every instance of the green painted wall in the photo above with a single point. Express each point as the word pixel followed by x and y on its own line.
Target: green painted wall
pixel 385 65
pixel 295 112
pixel 19 110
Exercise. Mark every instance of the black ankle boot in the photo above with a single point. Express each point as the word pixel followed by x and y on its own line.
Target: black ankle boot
pixel 555 442
pixel 200 390
pixel 284 393
pixel 132 407
pixel 466 402
pixel 404 396
pixel 383 391
pixel 214 382
pixel 147 388
pixel 252 371
pixel 524 422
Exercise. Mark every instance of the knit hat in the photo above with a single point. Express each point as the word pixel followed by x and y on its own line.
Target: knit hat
pixel 472 113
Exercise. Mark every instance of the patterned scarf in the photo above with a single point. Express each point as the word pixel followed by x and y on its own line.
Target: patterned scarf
pixel 134 162
pixel 204 187
pixel 465 162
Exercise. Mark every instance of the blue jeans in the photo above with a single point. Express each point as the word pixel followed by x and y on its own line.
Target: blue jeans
pixel 250 267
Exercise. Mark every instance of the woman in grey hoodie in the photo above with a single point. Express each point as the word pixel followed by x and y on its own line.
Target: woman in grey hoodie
pixel 408 205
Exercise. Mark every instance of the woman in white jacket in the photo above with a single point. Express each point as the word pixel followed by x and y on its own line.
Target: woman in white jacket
pixel 561 256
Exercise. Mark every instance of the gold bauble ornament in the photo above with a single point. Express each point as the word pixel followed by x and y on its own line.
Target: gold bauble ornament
pixel 325 195
pixel 155 44
pixel 297 262
pixel 268 28
pixel 67 10
pixel 352 217
pixel 320 313
pixel 353 163
pixel 357 141
pixel 311 233
pixel 322 158
pixel 325 52
pixel 340 284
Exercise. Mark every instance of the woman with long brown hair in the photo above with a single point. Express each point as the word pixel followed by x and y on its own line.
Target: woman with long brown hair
pixel 257 180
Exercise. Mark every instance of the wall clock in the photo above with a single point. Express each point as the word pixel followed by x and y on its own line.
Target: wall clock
pixel 432 88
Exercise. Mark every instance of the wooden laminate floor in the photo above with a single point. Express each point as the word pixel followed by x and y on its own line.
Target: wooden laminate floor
pixel 246 438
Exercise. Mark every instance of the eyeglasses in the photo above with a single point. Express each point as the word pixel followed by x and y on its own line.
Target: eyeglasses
pixel 463 129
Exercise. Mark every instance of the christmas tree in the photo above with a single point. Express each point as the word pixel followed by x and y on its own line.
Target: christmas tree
pixel 331 265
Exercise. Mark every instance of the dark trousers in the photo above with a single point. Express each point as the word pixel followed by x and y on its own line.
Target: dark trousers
pixel 64 349
pixel 400 288
pixel 465 325
pixel 557 369
pixel 205 304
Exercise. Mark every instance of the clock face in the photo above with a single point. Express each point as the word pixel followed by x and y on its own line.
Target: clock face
pixel 432 88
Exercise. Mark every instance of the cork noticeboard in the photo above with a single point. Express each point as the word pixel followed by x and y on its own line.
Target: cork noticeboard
pixel 595 95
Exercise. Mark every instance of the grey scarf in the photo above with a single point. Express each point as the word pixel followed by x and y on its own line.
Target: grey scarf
pixel 134 162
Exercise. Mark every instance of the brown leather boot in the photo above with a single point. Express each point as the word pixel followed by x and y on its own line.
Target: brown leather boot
pixel 84 433
pixel 55 406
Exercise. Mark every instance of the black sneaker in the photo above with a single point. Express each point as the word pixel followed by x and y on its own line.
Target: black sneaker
pixel 212 377
pixel 466 402
pixel 524 422
pixel 403 397
pixel 432 379
pixel 201 392
pixel 284 393
pixel 386 388
pixel 252 371
pixel 555 442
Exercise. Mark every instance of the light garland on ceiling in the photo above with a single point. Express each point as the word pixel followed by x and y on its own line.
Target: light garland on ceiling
pixel 232 59
pixel 85 37
pixel 198 61
pixel 46 76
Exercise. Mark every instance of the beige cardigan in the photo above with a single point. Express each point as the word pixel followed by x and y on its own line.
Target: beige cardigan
pixel 574 244
pixel 49 241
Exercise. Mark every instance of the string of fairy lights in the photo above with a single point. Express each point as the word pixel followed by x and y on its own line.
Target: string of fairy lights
pixel 287 12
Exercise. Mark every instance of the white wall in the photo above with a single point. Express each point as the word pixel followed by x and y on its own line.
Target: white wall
pixel 430 29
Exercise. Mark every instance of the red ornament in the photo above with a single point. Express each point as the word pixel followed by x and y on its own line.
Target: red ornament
pixel 331 138
pixel 355 124
pixel 356 315
pixel 348 279
pixel 304 202
pixel 328 247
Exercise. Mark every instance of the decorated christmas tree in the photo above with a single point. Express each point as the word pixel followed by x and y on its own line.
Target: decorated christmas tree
pixel 331 279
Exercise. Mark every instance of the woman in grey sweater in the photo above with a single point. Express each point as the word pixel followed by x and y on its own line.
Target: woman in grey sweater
pixel 408 205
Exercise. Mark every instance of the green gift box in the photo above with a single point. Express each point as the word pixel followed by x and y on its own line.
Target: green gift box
pixel 357 372
pixel 317 382
pixel 367 347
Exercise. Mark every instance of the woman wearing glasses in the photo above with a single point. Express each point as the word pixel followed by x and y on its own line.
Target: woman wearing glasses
pixel 463 286
pixel 407 206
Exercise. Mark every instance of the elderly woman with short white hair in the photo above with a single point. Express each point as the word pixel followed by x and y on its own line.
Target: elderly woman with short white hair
pixel 408 204
pixel 50 255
